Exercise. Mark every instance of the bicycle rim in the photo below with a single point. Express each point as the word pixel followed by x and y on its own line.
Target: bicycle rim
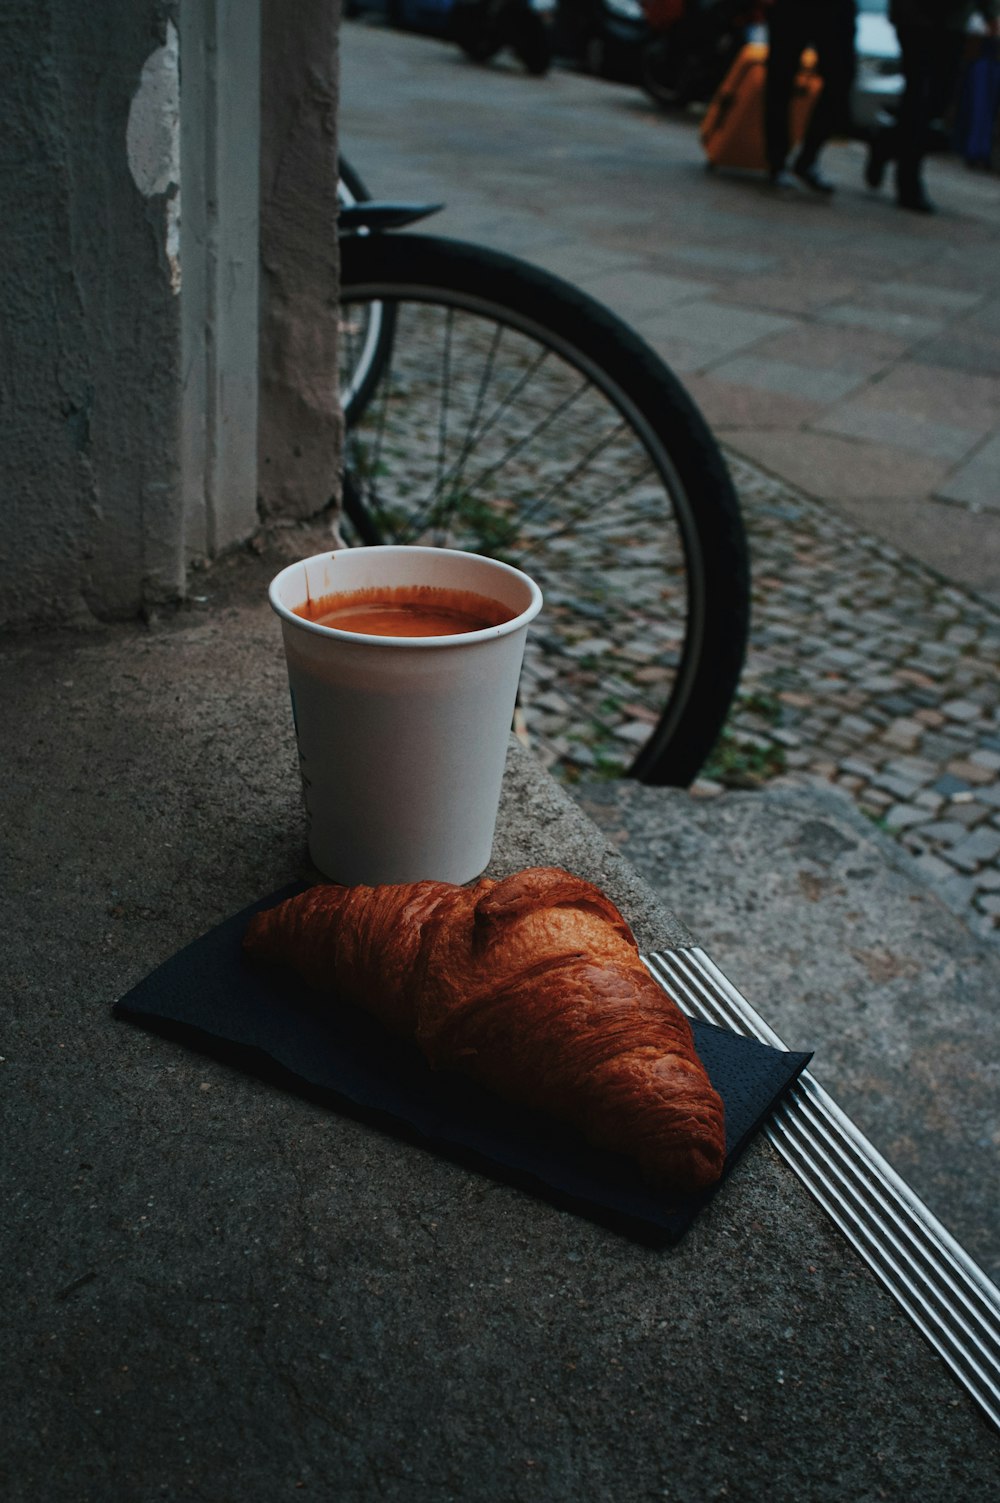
pixel 499 427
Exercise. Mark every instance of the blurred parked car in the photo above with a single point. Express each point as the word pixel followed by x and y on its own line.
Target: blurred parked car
pixel 603 37
pixel 430 17
pixel 878 82
pixel 693 46
pixel 608 38
pixel 482 28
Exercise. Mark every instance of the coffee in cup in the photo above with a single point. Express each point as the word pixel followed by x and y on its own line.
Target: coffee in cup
pixel 402 734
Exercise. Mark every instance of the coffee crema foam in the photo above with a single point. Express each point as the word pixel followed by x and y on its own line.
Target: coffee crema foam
pixel 406 611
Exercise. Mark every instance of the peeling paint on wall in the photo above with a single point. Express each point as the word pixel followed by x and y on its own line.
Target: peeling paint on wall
pixel 153 141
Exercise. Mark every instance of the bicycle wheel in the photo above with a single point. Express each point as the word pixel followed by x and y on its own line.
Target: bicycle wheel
pixel 519 418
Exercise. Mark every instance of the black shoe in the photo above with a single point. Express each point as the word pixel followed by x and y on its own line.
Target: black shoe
pixel 878 160
pixel 814 180
pixel 915 199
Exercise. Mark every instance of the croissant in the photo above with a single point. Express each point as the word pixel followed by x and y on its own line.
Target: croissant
pixel 531 986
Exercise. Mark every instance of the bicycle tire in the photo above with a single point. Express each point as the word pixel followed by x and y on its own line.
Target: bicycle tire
pixel 408 476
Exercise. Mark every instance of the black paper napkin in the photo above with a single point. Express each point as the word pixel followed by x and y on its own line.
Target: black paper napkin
pixel 265 1022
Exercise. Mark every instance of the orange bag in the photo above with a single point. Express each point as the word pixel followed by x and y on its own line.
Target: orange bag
pixel 732 132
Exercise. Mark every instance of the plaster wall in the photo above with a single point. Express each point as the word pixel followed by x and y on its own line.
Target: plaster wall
pixel 220 281
pixel 89 320
pixel 300 424
pixel 136 319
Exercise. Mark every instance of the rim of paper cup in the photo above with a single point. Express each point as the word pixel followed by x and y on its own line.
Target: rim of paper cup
pixel 449 639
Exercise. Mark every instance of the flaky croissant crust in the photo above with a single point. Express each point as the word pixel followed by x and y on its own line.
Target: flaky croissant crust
pixel 532 986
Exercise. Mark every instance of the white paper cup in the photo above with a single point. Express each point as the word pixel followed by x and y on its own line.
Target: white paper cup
pixel 402 740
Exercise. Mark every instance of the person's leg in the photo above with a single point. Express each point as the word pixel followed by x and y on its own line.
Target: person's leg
pixel 833 39
pixel 883 146
pixel 917 46
pixel 945 66
pixel 784 49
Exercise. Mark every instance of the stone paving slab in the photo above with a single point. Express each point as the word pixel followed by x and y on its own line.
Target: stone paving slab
pixel 930 297
pixel 788 292
pixel 858 351
pixel 964 349
pixel 866 418
pixel 814 383
pixel 939 393
pixel 575 262
pixel 722 259
pixel 874 252
pixel 836 467
pixel 722 327
pixel 723 399
pixel 635 293
pixel 953 540
pixel 987 315
pixel 977 481
pixel 908 327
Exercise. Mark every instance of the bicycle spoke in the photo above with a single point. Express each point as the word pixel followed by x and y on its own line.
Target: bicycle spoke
pixel 478 431
pixel 390 519
pixel 601 501
pixel 445 390
pixel 531 437
pixel 475 431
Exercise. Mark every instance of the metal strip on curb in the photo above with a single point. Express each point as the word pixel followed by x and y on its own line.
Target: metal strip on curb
pixel 946 1295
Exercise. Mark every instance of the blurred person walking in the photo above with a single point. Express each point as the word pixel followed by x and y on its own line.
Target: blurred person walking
pixel 793 25
pixel 931 41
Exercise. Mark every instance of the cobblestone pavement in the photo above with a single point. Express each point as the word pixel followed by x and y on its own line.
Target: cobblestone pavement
pixel 866 671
